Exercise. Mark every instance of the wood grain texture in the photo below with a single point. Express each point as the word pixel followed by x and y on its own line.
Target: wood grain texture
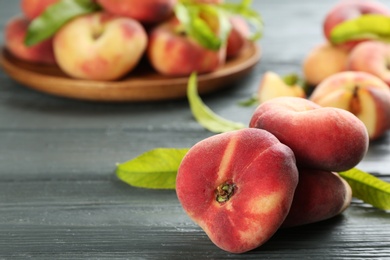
pixel 60 198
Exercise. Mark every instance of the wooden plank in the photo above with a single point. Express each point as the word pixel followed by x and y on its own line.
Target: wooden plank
pixel 60 198
pixel 83 153
pixel 77 219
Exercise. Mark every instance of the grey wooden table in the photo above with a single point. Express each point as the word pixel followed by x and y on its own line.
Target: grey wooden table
pixel 60 198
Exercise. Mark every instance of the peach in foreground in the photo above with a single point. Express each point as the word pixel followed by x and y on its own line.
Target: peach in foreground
pixel 238 186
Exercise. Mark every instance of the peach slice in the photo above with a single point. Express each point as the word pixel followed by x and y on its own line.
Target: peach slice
pixel 272 86
pixel 361 93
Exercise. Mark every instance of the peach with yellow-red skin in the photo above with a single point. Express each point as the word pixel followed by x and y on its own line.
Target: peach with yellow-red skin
pixel 349 9
pixel 324 138
pixel 238 187
pixel 238 36
pixel 33 8
pixel 106 47
pixel 320 195
pixel 323 61
pixel 361 93
pixel 172 52
pixel 145 11
pixel 372 57
pixel 14 35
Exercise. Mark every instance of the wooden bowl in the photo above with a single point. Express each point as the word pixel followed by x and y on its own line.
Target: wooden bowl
pixel 142 84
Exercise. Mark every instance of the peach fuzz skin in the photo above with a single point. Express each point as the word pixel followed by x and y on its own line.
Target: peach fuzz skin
pixel 324 138
pixel 33 8
pixel 361 93
pixel 106 47
pixel 238 36
pixel 145 11
pixel 173 53
pixel 320 195
pixel 372 57
pixel 14 35
pixel 323 61
pixel 263 177
pixel 349 9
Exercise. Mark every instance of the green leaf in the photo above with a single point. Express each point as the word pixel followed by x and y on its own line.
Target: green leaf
pixel 368 26
pixel 368 188
pixel 252 101
pixel 155 169
pixel 204 115
pixel 191 16
pixel 291 79
pixel 55 16
pixel 245 10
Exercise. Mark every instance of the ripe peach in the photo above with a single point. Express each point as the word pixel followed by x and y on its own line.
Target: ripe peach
pixel 238 36
pixel 106 47
pixel 15 33
pixel 323 61
pixel 361 93
pixel 319 195
pixel 33 8
pixel 145 11
pixel 349 9
pixel 172 52
pixel 372 57
pixel 238 186
pixel 324 138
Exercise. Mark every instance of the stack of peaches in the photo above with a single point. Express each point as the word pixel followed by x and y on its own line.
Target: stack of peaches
pixel 241 186
pixel 110 41
pixel 353 74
